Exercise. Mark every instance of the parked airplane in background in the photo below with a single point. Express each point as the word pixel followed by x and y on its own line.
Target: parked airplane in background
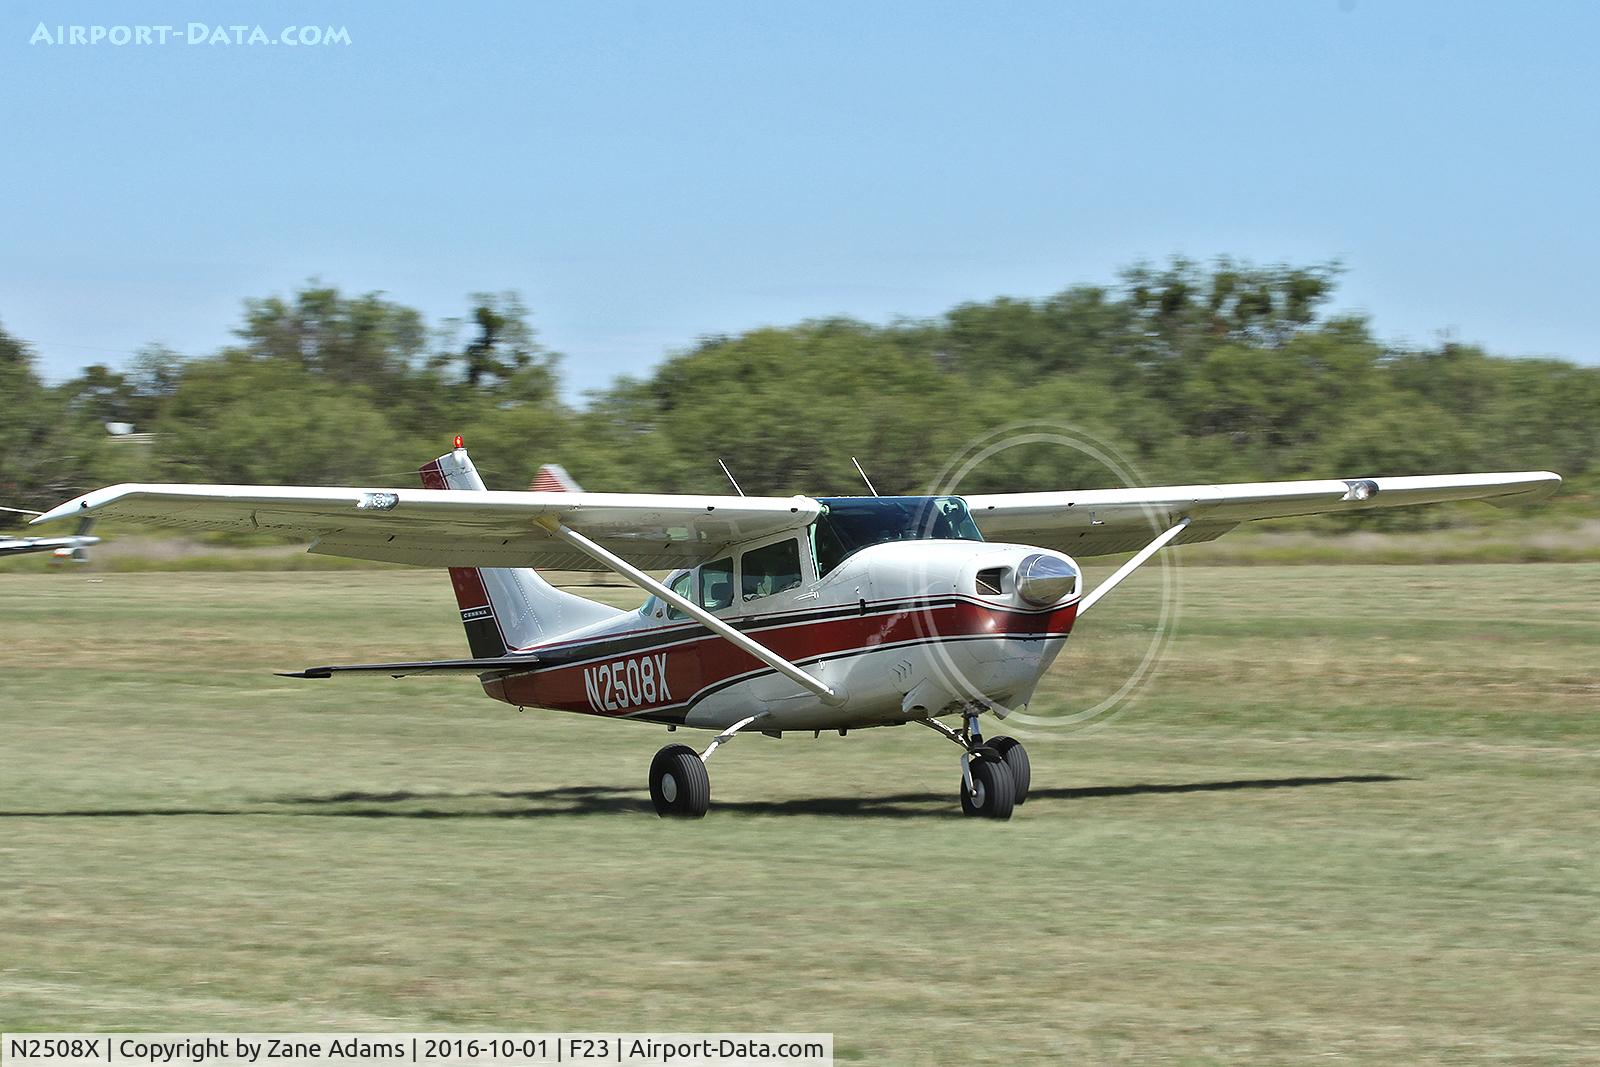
pixel 779 613
pixel 61 547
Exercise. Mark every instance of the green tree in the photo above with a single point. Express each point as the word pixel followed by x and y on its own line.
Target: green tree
pixel 1226 372
pixel 502 345
pixel 47 450
pixel 235 418
pixel 785 409
pixel 362 340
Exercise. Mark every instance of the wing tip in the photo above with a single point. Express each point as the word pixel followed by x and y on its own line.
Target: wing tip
pixel 90 501
pixel 1541 485
pixel 62 511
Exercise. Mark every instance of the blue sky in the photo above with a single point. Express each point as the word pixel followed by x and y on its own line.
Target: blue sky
pixel 646 173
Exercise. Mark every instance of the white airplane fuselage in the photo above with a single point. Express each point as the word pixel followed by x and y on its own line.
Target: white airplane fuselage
pixel 902 630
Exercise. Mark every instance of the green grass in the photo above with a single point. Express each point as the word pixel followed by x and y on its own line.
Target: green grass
pixel 1354 817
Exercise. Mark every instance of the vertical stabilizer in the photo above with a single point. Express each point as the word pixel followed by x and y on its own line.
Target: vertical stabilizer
pixel 506 608
pixel 553 478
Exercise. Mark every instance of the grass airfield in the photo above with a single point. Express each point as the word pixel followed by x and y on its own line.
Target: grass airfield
pixel 1355 816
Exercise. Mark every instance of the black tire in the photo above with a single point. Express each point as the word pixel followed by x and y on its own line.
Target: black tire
pixel 992 795
pixel 1016 758
pixel 968 805
pixel 679 784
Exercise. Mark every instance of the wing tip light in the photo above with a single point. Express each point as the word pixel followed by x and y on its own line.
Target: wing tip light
pixel 63 511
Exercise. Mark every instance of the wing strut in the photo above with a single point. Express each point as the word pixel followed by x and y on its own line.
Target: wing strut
pixel 561 531
pixel 1132 565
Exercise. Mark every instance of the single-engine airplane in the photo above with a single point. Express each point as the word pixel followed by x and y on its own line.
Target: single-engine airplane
pixel 779 613
pixel 61 547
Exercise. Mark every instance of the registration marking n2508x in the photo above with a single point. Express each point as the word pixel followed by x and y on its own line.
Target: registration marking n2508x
pixel 627 683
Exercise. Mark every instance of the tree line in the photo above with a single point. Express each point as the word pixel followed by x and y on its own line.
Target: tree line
pixel 1195 373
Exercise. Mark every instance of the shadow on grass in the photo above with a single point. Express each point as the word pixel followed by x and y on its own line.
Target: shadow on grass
pixel 1090 792
pixel 602 800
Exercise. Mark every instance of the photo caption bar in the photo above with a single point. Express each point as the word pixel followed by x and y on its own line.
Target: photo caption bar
pixel 209 1049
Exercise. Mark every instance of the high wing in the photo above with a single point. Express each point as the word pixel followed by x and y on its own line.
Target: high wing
pixel 435 527
pixel 456 528
pixel 1100 521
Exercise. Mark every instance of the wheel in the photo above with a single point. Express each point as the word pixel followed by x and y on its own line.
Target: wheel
pixel 992 794
pixel 967 805
pixel 1016 758
pixel 679 785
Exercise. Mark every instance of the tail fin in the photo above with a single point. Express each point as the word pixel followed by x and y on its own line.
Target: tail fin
pixel 506 608
pixel 553 478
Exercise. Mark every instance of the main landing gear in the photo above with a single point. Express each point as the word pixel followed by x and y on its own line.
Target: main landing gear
pixel 995 774
pixel 679 784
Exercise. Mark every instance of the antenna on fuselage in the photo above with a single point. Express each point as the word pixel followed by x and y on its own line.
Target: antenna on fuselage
pixel 729 473
pixel 864 477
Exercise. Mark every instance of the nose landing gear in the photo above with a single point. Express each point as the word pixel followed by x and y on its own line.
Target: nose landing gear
pixel 986 786
pixel 995 775
pixel 1016 758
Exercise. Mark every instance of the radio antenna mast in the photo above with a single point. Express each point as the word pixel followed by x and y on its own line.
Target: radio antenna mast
pixel 864 477
pixel 729 473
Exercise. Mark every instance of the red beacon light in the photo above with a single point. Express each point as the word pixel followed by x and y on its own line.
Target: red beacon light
pixel 459 442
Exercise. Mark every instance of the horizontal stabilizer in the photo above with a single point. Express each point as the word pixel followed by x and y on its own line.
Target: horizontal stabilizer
pixel 14 546
pixel 499 666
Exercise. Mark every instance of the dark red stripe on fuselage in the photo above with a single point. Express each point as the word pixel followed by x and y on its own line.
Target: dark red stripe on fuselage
pixel 686 666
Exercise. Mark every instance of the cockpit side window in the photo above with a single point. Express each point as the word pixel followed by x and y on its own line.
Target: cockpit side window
pixel 773 568
pixel 681 585
pixel 716 584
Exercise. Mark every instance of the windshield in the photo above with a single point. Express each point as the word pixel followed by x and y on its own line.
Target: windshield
pixel 849 524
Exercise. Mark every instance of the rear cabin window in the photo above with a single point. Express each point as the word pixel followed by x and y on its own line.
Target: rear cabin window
pixel 716 584
pixel 773 568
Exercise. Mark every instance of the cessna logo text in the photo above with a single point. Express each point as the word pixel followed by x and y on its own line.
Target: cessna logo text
pixel 627 683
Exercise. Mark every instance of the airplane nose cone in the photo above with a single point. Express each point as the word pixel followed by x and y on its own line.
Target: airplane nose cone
pixel 1044 580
